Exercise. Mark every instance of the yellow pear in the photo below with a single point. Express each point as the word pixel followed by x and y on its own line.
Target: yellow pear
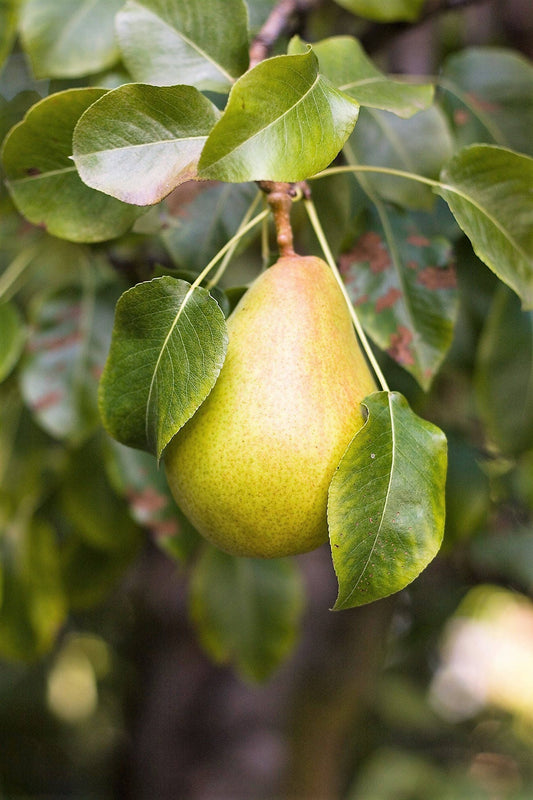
pixel 252 467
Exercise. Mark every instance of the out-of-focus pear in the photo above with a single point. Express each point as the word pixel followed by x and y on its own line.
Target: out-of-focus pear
pixel 251 469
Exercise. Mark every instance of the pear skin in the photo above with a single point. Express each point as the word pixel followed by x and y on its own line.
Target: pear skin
pixel 251 469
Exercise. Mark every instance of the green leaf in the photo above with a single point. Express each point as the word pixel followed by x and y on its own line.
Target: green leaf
pixel 386 502
pixel 138 142
pixel 70 38
pixel 90 573
pixel 136 476
pixel 283 122
pixel 504 374
pixel 389 11
pixel 8 27
pixel 43 180
pixel 420 145
pixel 66 350
pixel 168 347
pixel 30 463
pixel 344 62
pixel 489 193
pixel 247 611
pixel 401 279
pixel 11 337
pixel 507 554
pixel 33 603
pixel 203 43
pixel 95 512
pixel 467 492
pixel 488 95
pixel 337 204
pixel 196 230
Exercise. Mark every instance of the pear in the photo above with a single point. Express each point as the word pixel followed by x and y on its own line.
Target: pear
pixel 252 467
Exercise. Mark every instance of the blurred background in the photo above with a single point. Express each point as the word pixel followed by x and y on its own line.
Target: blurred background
pixel 427 695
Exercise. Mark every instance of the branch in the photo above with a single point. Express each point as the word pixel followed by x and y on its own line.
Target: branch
pixel 277 23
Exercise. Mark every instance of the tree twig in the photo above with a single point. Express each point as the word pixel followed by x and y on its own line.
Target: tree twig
pixel 279 197
pixel 277 23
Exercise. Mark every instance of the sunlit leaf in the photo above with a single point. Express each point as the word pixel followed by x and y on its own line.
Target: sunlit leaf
pixel 488 190
pixel 420 145
pixel 203 43
pixel 139 142
pixel 66 351
pixel 69 38
pixel 343 61
pixel 401 279
pixel 43 179
pixel 246 610
pixel 504 374
pixel 388 11
pixel 11 338
pixel 168 347
pixel 386 502
pixel 488 93
pixel 283 122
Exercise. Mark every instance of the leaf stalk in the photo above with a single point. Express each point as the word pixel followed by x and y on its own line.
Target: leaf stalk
pixel 317 227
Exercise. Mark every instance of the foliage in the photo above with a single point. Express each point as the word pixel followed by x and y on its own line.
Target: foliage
pixel 129 222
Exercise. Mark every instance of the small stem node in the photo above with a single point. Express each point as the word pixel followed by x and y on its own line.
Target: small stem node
pixel 279 198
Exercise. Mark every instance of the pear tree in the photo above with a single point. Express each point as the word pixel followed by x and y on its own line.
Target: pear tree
pixel 230 279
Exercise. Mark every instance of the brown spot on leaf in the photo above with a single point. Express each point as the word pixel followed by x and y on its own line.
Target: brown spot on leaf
pixel 461 117
pixel 54 343
pixel 418 241
pixel 482 104
pixel 69 312
pixel 47 400
pixel 388 299
pixel 400 344
pixel 360 300
pixel 412 264
pixel 167 527
pixel 33 171
pixel 178 201
pixel 147 502
pixel 437 278
pixel 369 247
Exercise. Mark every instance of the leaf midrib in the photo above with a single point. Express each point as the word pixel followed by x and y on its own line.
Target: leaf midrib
pixel 262 130
pixel 385 504
pixel 153 143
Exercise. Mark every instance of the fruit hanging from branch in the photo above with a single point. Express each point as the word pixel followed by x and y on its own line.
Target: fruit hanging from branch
pixel 252 467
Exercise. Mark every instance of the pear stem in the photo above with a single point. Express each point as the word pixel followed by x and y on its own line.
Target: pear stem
pixel 279 198
pixel 317 227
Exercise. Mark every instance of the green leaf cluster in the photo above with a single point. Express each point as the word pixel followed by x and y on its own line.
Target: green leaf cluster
pixel 129 158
